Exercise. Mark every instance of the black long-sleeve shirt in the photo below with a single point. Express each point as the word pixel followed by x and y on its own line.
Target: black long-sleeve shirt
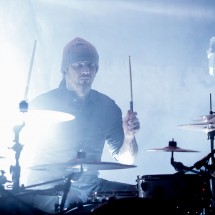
pixel 98 120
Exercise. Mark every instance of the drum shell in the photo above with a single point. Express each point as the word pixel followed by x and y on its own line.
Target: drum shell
pixel 189 191
pixel 134 205
pixel 107 196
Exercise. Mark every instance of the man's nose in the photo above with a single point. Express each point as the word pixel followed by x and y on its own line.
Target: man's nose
pixel 85 69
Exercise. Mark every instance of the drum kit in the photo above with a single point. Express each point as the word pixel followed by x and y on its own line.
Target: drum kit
pixel 13 197
pixel 181 192
pixel 189 191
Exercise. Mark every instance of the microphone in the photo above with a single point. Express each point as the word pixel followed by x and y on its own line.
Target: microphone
pixel 211 56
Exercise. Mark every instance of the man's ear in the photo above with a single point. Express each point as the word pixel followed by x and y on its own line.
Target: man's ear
pixel 65 71
pixel 97 68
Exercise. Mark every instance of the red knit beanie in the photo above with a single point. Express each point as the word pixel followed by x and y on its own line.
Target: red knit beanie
pixel 78 50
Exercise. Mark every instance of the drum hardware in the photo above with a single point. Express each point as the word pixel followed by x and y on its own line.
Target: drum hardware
pixel 3 178
pixel 12 204
pixel 82 208
pixel 101 197
pixel 207 124
pixel 204 162
pixel 17 147
pixel 23 188
pixel 172 147
pixel 76 166
pixel 205 194
pixel 59 190
pixel 66 191
pixel 15 170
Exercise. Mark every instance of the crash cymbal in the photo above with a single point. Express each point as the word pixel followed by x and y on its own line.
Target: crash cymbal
pixel 203 126
pixel 205 118
pixel 83 165
pixel 48 116
pixel 171 149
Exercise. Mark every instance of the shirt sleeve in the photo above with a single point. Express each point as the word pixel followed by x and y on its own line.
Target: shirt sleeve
pixel 115 133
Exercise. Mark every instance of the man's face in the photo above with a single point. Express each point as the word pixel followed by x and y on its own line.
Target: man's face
pixel 80 75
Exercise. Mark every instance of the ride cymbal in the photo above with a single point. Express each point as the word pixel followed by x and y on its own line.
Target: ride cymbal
pixel 83 165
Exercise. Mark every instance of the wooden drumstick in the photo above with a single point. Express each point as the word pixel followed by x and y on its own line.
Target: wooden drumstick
pixel 23 105
pixel 131 90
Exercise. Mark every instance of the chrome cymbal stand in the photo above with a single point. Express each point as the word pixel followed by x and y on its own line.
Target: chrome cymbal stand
pixel 17 147
pixel 15 170
pixel 211 135
pixel 212 163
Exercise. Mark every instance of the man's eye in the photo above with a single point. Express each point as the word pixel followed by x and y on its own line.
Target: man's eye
pixel 91 66
pixel 80 65
pixel 77 66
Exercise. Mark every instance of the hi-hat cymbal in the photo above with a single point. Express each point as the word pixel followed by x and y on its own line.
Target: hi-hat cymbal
pixel 82 165
pixel 172 149
pixel 203 126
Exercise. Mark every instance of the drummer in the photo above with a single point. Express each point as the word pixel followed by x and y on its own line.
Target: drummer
pixel 98 120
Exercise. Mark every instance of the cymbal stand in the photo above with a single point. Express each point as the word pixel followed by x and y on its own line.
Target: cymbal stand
pixel 211 138
pixel 17 147
pixel 15 170
pixel 3 179
pixel 178 165
pixel 212 160
pixel 66 191
pixel 72 177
